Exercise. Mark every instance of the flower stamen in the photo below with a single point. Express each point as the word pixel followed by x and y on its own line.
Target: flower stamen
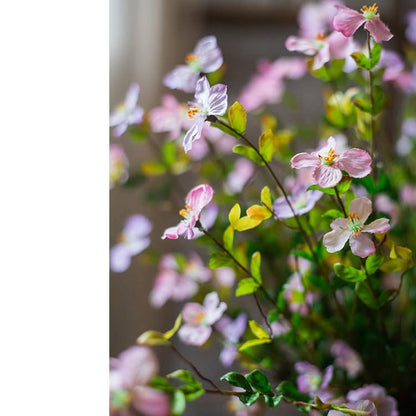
pixel 369 12
pixel 190 58
pixel 185 211
pixel 320 36
pixel 193 111
pixel 330 156
pixel 355 224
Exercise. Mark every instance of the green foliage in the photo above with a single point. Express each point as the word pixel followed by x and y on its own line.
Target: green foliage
pixel 228 238
pixel 219 259
pixel 373 263
pixel 255 266
pixel 246 286
pixel 248 152
pixel 349 274
pixel 363 291
pixel 238 117
pixel 266 145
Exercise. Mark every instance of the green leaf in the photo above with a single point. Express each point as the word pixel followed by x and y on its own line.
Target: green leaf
pixel 219 259
pixel 373 263
pixel 344 185
pixel 259 382
pixel 169 153
pixel 258 330
pixel 273 401
pixel 289 391
pixel 266 198
pixel 255 266
pixel 379 98
pixel 160 383
pixel 363 291
pixel 375 54
pixel 328 191
pixel 153 168
pixel 329 72
pixel 152 338
pixel 386 297
pixel 228 238
pixel 349 274
pixel 246 286
pixel 273 315
pixel 248 152
pixel 183 375
pixel 178 403
pixel 253 343
pixel 169 334
pixel 237 380
pixel 238 117
pixel 332 214
pixel 266 146
pixel 249 399
pixel 361 60
pixel 192 391
pixel 225 129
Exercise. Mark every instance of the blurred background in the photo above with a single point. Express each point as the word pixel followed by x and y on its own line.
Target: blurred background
pixel 147 39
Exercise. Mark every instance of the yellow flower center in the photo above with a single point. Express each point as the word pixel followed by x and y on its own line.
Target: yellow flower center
pixel 190 58
pixel 330 156
pixel 355 224
pixel 185 211
pixel 369 12
pixel 320 36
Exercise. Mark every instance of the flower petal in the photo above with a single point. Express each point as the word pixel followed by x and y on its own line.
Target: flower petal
pixel 132 96
pixel 202 91
pixel 150 402
pixel 347 21
pixel 199 197
pixel 378 226
pixel 119 258
pixel 217 100
pixel 304 45
pixel 181 78
pixel 362 245
pixel 335 240
pixel 194 335
pixel 208 54
pixel 356 162
pixel 379 31
pixel 322 57
pixel 282 209
pixel 362 207
pixel 327 176
pixel 193 313
pixel 194 133
pixel 305 160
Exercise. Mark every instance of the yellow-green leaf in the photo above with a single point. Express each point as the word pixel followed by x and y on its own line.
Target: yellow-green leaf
pixel 246 223
pixel 266 146
pixel 255 266
pixel 153 168
pixel 234 215
pixel 238 117
pixel 258 212
pixel 169 334
pixel 152 338
pixel 246 286
pixel 228 238
pixel 253 343
pixel 258 330
pixel 266 199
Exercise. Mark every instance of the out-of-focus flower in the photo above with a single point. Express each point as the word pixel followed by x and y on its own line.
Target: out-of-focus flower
pixel 129 375
pixel 225 276
pixel 386 205
pixel 354 230
pixel 393 64
pixel 362 405
pixel 347 358
pixel 133 240
pixel 267 86
pixel 205 58
pixel 207 219
pixel 199 319
pixel 347 21
pixel 296 296
pixel 408 195
pixel 280 327
pixel 197 198
pixel 178 282
pixel 328 164
pixel 119 165
pixel 232 330
pixel 385 405
pixel 321 47
pixel 242 172
pixel 208 101
pixel 405 143
pixel 316 17
pixel 302 202
pixel 311 380
pixel 411 26
pixel 169 117
pixel 127 113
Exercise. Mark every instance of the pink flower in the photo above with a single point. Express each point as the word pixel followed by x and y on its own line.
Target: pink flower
pixel 316 17
pixel 205 58
pixel 347 21
pixel 177 282
pixel 133 240
pixel 119 165
pixel 239 176
pixel 354 230
pixel 129 375
pixel 267 87
pixel 208 101
pixel 328 164
pixel 362 405
pixel 321 47
pixel 311 380
pixel 411 28
pixel 169 117
pixel 347 358
pixel 197 198
pixel 199 319
pixel 408 195
pixel 224 276
pixel 232 330
pixel 127 113
pixel 297 298
pixel 385 405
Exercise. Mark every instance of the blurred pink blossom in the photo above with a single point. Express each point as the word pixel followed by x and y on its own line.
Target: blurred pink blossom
pixel 119 165
pixel 311 380
pixel 239 176
pixel 347 358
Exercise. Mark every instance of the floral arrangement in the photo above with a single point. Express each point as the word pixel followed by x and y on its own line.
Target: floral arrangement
pixel 320 239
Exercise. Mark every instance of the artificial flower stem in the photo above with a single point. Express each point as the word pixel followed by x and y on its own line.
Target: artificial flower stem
pixel 201 376
pixel 341 204
pixel 279 185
